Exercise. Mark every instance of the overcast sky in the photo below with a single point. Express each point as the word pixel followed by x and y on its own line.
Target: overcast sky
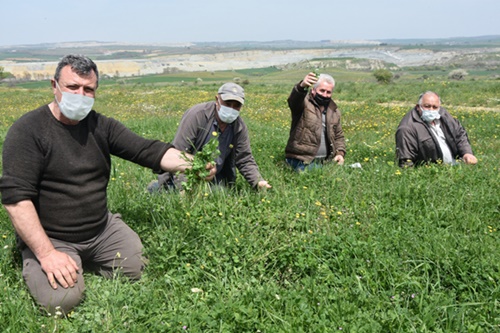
pixel 178 21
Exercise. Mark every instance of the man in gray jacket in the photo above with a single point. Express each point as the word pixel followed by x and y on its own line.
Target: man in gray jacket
pixel 222 117
pixel 429 134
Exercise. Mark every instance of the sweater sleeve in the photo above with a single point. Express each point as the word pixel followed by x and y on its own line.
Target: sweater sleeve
pixel 23 160
pixel 128 145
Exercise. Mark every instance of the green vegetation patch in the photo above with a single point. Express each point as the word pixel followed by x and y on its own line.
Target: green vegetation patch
pixel 370 249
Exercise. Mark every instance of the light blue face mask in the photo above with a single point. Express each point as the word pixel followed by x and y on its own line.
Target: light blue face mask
pixel 429 115
pixel 74 106
pixel 227 114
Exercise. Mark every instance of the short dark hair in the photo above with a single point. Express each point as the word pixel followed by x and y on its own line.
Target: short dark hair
pixel 80 64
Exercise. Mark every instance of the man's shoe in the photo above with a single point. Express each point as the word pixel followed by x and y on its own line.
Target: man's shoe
pixel 153 187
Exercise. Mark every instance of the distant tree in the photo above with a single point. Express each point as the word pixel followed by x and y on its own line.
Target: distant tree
pixel 383 75
pixel 457 74
pixel 1 73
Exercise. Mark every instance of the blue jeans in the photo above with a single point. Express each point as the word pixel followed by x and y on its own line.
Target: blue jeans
pixel 300 166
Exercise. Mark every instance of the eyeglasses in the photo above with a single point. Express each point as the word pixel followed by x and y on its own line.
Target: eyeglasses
pixel 429 107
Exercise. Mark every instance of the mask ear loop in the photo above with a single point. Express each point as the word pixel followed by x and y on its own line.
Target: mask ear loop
pixel 219 100
pixel 58 88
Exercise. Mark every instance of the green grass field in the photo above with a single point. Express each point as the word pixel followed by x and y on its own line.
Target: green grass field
pixel 376 249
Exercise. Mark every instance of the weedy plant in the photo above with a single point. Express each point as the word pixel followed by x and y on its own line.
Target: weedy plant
pixel 195 176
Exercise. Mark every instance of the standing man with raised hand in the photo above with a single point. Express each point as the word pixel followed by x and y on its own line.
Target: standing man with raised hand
pixel 56 168
pixel 429 134
pixel 316 135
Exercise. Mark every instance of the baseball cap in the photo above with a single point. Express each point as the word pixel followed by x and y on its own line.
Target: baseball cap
pixel 232 91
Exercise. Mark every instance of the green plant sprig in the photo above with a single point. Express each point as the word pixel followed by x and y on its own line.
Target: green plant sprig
pixel 196 174
pixel 316 73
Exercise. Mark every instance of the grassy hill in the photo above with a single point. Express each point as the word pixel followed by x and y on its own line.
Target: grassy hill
pixel 371 249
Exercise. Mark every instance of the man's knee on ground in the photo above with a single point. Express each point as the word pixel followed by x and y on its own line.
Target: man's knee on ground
pixel 129 267
pixel 133 266
pixel 61 301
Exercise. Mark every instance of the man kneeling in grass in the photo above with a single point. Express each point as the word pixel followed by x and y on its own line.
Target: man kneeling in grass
pixel 429 134
pixel 222 118
pixel 316 135
pixel 56 168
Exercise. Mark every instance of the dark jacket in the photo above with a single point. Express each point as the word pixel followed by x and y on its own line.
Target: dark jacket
pixel 415 143
pixel 307 127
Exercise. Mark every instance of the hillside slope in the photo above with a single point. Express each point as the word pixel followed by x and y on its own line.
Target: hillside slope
pixel 140 62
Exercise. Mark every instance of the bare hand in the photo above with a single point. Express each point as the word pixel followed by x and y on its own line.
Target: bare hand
pixel 213 171
pixel 61 268
pixel 263 184
pixel 469 159
pixel 339 159
pixel 309 80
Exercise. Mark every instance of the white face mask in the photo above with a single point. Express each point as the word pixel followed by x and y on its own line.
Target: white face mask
pixel 227 114
pixel 429 115
pixel 74 106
